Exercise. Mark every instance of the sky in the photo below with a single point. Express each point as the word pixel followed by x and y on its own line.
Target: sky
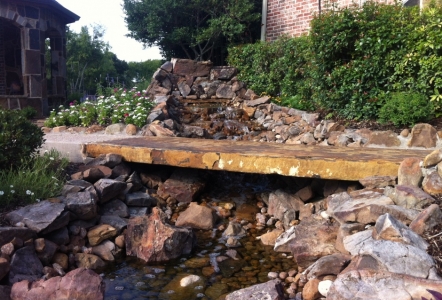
pixel 110 15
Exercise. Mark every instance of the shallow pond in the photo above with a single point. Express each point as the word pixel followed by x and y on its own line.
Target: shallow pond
pixel 219 269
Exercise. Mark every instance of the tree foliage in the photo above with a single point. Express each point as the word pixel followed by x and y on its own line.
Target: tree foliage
pixel 195 29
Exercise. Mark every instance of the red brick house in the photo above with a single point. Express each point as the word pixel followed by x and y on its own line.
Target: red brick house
pixel 292 17
pixel 27 77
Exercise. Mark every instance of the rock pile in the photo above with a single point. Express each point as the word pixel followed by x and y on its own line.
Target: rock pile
pixel 348 239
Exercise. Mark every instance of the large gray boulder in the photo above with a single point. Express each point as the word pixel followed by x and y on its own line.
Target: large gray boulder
pixel 42 217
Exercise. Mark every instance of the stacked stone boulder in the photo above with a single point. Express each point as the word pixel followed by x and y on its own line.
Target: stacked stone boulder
pixel 52 245
pixel 364 243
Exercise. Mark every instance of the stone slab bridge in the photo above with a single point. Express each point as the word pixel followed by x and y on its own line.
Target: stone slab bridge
pixel 341 163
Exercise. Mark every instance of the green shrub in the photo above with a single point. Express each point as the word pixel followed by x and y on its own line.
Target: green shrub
pixel 37 178
pixel 29 112
pixel 279 69
pixel 355 53
pixel 19 138
pixel 406 109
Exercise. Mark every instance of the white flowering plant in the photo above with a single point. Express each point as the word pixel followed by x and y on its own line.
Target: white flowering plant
pixel 121 106
pixel 38 177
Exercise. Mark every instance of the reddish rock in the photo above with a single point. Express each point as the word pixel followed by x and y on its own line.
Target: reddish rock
pixel 423 135
pixel 131 129
pixel 432 184
pixel 183 185
pixel 373 285
pixel 409 196
pixel 270 290
pixel 310 290
pixel 78 284
pixel 378 181
pixel 383 138
pixel 427 219
pixel 410 172
pixel 191 67
pixel 151 239
pixel 196 216
pixel 314 238
pixel 159 130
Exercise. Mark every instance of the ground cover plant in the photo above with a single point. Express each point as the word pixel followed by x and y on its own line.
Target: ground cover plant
pixel 355 61
pixel 115 105
pixel 25 175
pixel 37 178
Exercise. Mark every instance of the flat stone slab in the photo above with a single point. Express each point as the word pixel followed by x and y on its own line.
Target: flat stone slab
pixel 342 163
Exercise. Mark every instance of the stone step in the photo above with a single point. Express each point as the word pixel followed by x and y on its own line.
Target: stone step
pixel 324 162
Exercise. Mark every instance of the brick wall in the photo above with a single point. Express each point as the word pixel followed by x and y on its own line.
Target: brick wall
pixel 2 61
pixel 292 17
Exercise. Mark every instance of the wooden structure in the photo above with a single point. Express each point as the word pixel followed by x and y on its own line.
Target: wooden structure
pixel 31 72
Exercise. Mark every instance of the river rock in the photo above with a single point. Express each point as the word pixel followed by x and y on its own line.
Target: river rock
pixel 409 196
pixel 183 185
pixel 108 189
pixel 258 101
pixel 42 217
pixel 432 184
pixel 151 239
pixel 115 128
pixel 89 261
pixel 25 265
pixel 140 199
pixel 381 285
pixel 8 234
pixel 365 207
pixel 182 286
pixel 115 221
pixel 328 265
pixel 282 243
pixel 284 206
pixel 423 135
pixel 378 181
pixel 427 219
pixel 396 257
pixel 310 290
pixel 78 284
pixel 101 232
pixel 433 158
pixel 115 208
pixel 82 204
pixel 235 230
pixel 196 216
pixel 46 252
pixel 410 172
pixel 383 138
pixel 347 229
pixel 104 250
pixel 59 236
pixel 388 228
pixel 269 238
pixel 314 238
pixel 270 290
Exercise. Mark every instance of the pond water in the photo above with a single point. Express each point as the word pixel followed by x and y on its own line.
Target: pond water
pixel 131 278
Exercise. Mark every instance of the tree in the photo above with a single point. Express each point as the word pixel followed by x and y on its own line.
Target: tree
pixel 192 28
pixel 87 58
